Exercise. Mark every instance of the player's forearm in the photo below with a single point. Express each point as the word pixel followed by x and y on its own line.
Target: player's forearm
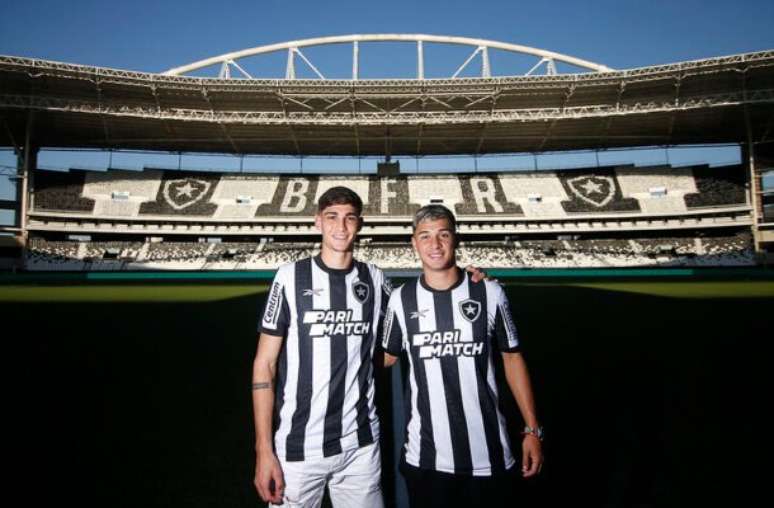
pixel 263 404
pixel 517 375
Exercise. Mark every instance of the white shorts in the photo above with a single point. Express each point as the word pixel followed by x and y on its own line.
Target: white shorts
pixel 353 478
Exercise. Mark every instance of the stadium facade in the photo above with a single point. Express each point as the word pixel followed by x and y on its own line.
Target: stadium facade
pixel 621 215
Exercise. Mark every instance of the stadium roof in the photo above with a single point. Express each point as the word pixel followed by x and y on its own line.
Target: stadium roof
pixel 704 101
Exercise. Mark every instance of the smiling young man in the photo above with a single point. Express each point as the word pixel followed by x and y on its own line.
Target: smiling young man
pixel 457 452
pixel 317 339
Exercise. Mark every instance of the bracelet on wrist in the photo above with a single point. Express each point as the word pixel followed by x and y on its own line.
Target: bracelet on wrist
pixel 536 431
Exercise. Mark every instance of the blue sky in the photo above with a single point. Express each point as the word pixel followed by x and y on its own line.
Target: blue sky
pixel 154 36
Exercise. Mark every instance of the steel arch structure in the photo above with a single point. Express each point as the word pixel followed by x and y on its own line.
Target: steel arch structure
pixel 293 48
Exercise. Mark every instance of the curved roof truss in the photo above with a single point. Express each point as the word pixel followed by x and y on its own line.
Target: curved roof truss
pixel 229 61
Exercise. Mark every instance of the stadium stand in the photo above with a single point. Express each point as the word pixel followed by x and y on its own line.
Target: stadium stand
pixel 247 208
pixel 61 191
pixel 119 193
pixel 240 197
pixel 10 253
pixel 359 185
pixel 628 190
pixel 658 190
pixel 292 198
pixel 389 197
pixel 484 194
pixel 594 191
pixel 178 251
pixel 717 186
pixel 539 195
pixel 694 250
pixel 184 193
pixel 442 189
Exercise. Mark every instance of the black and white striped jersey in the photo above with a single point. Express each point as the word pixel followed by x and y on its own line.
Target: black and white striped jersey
pixel 324 397
pixel 454 421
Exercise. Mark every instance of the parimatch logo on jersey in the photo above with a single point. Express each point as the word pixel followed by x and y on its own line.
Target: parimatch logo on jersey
pixel 334 322
pixel 447 343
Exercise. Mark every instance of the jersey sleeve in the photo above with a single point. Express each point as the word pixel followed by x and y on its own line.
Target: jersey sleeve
pixel 394 328
pixel 506 335
pixel 275 318
pixel 386 293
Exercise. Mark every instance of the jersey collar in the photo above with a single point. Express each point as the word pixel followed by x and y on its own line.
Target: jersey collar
pixel 461 276
pixel 333 271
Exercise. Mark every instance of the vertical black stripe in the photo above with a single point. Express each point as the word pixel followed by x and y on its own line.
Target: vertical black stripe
pixel 295 441
pixel 339 361
pixel 486 398
pixel 450 372
pixel 426 440
pixel 364 374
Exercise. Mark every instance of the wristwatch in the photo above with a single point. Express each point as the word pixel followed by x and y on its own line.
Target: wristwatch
pixel 535 431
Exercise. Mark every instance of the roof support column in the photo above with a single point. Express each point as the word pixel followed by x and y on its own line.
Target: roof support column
pixel 26 163
pixel 355 58
pixel 290 68
pixel 755 185
pixel 420 61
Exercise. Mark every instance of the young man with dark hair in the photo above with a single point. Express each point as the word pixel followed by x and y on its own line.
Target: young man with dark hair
pixel 457 451
pixel 317 340
pixel 317 337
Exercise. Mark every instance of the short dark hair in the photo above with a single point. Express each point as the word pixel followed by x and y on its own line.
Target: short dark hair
pixel 340 196
pixel 434 212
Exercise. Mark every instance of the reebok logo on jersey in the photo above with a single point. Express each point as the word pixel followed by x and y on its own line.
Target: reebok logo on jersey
pixel 447 343
pixel 418 314
pixel 334 322
pixel 313 292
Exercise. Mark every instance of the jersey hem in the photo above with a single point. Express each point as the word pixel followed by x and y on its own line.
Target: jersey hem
pixel 281 452
pixel 474 472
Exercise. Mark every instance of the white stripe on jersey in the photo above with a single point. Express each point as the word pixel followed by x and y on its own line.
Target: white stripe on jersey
pixel 466 365
pixel 444 458
pixel 321 369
